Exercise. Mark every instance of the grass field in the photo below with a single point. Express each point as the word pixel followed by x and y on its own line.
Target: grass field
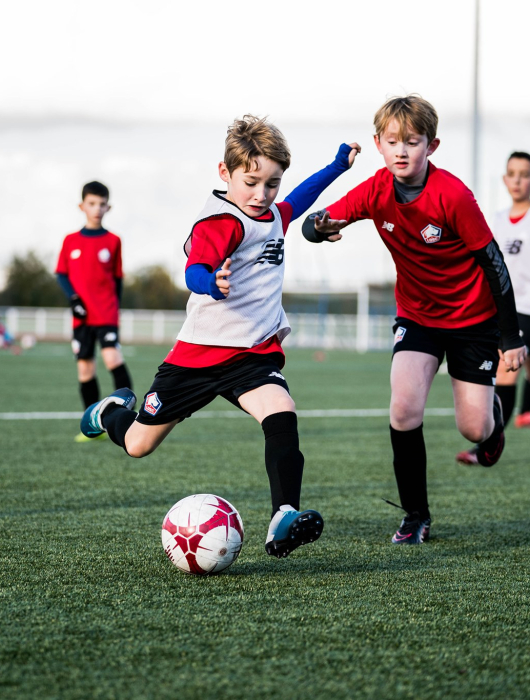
pixel 91 607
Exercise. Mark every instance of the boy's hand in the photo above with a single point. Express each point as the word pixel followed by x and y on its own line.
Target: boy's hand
pixel 355 150
pixel 513 359
pixel 330 227
pixel 78 308
pixel 221 277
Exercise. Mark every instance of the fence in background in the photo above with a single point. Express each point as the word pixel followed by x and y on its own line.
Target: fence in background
pixel 361 332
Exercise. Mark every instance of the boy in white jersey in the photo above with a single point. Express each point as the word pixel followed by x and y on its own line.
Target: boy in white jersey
pixel 512 232
pixel 230 343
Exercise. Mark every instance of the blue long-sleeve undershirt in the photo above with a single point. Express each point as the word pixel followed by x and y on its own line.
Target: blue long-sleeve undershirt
pixel 66 285
pixel 307 192
pixel 200 280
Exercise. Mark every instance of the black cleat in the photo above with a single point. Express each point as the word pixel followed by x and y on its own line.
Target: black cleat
pixel 293 529
pixel 413 530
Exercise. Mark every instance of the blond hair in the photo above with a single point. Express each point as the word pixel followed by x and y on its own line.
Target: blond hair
pixel 411 112
pixel 251 137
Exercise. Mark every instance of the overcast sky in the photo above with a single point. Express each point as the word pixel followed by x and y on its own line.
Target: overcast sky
pixel 85 86
pixel 299 59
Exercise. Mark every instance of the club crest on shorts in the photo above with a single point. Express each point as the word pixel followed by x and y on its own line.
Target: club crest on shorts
pixel 152 403
pixel 399 335
pixel 431 233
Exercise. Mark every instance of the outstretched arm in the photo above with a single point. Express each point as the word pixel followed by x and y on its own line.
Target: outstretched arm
pixel 306 194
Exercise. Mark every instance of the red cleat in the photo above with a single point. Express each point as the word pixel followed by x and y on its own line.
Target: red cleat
pixel 522 420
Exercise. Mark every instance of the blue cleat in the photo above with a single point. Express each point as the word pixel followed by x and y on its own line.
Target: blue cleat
pixel 91 425
pixel 291 528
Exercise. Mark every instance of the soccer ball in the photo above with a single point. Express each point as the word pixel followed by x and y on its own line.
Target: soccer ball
pixel 202 534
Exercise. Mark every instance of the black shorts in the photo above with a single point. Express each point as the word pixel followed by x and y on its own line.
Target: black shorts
pixel 177 392
pixel 84 342
pixel 472 352
pixel 524 326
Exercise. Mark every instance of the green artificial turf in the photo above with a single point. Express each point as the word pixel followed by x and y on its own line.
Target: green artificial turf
pixel 92 608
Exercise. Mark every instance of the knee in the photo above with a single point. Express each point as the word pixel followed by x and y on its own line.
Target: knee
pixel 138 448
pixel 474 433
pixel 404 415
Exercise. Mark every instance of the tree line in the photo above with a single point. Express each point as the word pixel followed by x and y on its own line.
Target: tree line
pixel 30 283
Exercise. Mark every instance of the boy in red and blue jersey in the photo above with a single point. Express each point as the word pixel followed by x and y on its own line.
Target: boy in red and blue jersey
pixel 453 292
pixel 230 343
pixel 89 271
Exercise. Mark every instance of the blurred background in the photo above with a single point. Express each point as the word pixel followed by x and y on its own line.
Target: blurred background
pixel 139 95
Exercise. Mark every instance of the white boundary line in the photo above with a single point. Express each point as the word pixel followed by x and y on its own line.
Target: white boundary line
pixel 329 413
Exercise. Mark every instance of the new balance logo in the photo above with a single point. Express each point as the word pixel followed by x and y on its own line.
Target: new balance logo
pixel 277 374
pixel 273 253
pixel 389 227
pixel 487 365
pixel 513 247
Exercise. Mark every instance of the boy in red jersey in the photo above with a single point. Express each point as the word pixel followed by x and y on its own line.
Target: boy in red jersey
pixel 453 295
pixel 230 343
pixel 89 272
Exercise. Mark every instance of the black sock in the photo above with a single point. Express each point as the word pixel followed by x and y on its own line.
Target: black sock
pixel 122 378
pixel 525 407
pixel 283 459
pixel 507 396
pixel 117 420
pixel 89 391
pixel 410 468
pixel 492 443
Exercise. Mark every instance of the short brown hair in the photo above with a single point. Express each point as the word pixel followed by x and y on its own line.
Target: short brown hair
pixel 96 188
pixel 412 113
pixel 251 137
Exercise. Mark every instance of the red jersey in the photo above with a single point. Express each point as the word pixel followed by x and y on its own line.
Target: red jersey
pixel 213 241
pixel 431 238
pixel 92 264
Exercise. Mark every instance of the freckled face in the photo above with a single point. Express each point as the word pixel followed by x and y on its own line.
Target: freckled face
pixel 406 159
pixel 253 191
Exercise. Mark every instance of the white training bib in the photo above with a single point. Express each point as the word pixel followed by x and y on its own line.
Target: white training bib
pixel 253 311
pixel 514 242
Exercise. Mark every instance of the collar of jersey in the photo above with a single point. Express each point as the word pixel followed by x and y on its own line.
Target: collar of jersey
pixel 222 195
pixel 431 169
pixel 92 232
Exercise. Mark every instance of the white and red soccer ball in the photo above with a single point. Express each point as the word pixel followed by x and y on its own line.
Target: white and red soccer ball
pixel 202 534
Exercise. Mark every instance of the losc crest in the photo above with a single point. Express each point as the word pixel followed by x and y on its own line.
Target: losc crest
pixel 431 234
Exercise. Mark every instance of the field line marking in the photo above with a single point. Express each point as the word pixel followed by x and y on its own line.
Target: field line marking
pixel 317 413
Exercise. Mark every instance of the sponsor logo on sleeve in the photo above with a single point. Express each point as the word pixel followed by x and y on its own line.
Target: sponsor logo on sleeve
pixel 152 403
pixel 431 233
pixel 399 335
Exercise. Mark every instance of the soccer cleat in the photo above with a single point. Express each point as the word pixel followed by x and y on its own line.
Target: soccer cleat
pixel 83 438
pixel 91 425
pixel 522 420
pixel 483 456
pixel 291 528
pixel 413 530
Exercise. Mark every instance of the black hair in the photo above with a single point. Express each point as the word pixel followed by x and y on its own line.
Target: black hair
pixel 520 154
pixel 98 189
